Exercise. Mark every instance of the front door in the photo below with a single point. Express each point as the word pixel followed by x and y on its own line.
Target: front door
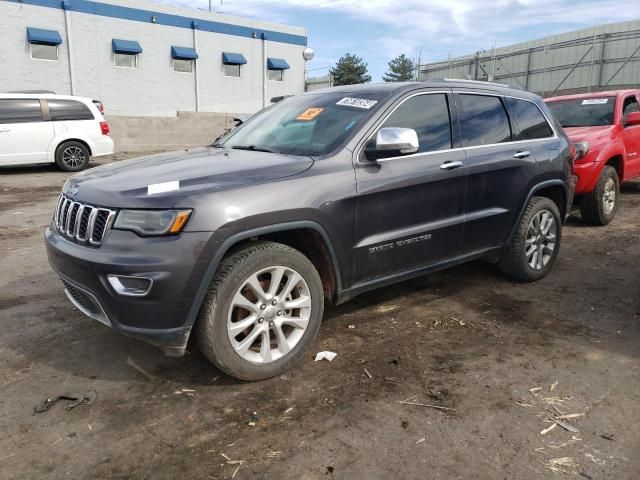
pixel 631 138
pixel 24 135
pixel 410 209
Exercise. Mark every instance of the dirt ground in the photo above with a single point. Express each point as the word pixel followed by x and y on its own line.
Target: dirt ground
pixel 500 357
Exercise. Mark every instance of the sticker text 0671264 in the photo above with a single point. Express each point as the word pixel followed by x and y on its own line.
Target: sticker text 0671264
pixel 357 102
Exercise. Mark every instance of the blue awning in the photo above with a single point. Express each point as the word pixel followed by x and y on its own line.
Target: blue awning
pixel 126 46
pixel 277 64
pixel 43 37
pixel 233 58
pixel 184 53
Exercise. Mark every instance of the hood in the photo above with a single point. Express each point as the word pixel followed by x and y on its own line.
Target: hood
pixel 160 181
pixel 589 134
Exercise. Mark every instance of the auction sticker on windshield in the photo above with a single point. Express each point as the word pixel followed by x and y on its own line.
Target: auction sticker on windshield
pixel 357 102
pixel 309 114
pixel 595 101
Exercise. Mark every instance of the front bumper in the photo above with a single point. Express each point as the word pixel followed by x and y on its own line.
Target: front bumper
pixel 587 177
pixel 176 264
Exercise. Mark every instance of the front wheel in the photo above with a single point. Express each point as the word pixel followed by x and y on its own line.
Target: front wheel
pixel 262 311
pixel 535 243
pixel 600 206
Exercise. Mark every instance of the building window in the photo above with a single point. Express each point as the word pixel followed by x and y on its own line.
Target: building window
pixel 125 53
pixel 43 43
pixel 233 63
pixel 126 60
pixel 276 68
pixel 182 65
pixel 232 70
pixel 44 52
pixel 276 75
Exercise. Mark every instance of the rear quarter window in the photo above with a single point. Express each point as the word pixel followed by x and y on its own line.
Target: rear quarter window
pixel 69 110
pixel 485 120
pixel 531 123
pixel 20 110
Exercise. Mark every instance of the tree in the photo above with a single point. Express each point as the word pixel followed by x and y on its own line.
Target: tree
pixel 350 70
pixel 401 69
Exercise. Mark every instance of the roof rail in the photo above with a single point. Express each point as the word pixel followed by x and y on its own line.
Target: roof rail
pixel 482 82
pixel 33 92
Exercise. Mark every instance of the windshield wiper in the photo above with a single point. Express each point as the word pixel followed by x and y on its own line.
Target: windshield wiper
pixel 253 148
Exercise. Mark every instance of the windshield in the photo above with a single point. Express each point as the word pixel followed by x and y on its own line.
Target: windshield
pixel 305 125
pixel 583 112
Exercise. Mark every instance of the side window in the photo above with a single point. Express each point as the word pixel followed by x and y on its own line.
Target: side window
pixel 530 120
pixel 69 110
pixel 20 111
pixel 428 115
pixel 485 120
pixel 630 105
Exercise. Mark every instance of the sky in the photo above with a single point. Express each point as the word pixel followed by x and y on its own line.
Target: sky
pixel 379 30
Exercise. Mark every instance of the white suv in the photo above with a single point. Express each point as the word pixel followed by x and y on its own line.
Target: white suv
pixel 48 128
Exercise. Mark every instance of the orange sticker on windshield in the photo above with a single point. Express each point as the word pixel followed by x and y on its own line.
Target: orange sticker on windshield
pixel 309 114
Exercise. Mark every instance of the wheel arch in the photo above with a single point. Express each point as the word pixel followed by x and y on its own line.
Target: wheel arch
pixel 302 235
pixel 60 143
pixel 555 190
pixel 617 162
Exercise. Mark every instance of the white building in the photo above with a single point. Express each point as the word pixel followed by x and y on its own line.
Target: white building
pixel 146 59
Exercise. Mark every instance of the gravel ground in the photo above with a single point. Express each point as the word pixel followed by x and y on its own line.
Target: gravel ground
pixel 501 357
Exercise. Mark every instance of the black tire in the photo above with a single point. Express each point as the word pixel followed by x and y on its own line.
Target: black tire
pixel 592 205
pixel 211 325
pixel 72 156
pixel 514 262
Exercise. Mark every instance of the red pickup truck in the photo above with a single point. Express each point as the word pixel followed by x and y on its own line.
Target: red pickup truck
pixel 605 130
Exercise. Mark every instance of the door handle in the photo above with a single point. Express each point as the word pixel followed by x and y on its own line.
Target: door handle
pixel 450 165
pixel 523 154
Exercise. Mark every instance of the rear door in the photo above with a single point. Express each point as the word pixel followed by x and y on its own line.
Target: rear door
pixel 410 209
pixel 631 138
pixel 24 135
pixel 501 160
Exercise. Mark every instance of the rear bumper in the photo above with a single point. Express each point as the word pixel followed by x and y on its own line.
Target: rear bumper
pixel 159 317
pixel 102 146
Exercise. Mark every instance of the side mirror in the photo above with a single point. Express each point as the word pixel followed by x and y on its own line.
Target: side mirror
pixel 392 142
pixel 633 118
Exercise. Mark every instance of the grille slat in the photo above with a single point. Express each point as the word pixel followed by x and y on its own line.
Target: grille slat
pixel 82 223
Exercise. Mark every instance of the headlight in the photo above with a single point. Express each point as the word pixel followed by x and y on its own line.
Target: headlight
pixel 152 222
pixel 582 148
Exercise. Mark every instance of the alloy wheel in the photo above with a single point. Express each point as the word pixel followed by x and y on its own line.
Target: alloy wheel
pixel 609 196
pixel 540 240
pixel 73 157
pixel 269 314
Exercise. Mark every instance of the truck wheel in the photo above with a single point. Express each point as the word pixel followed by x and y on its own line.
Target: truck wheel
pixel 536 242
pixel 262 311
pixel 72 156
pixel 600 206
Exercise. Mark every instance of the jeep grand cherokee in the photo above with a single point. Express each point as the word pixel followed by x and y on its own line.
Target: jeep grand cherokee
pixel 316 199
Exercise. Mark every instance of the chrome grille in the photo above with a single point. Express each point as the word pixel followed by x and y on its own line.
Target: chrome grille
pixel 80 222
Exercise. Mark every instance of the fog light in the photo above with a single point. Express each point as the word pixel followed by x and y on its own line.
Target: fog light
pixel 130 286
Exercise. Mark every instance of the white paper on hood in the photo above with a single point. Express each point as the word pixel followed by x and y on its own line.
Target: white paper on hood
pixel 163 187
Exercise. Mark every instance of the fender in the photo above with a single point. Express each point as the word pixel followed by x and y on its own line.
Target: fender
pixel 244 235
pixel 534 189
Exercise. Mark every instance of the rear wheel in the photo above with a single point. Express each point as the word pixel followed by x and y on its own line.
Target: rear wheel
pixel 72 156
pixel 600 206
pixel 262 311
pixel 536 242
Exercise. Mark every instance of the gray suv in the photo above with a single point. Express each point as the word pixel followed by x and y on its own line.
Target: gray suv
pixel 314 200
